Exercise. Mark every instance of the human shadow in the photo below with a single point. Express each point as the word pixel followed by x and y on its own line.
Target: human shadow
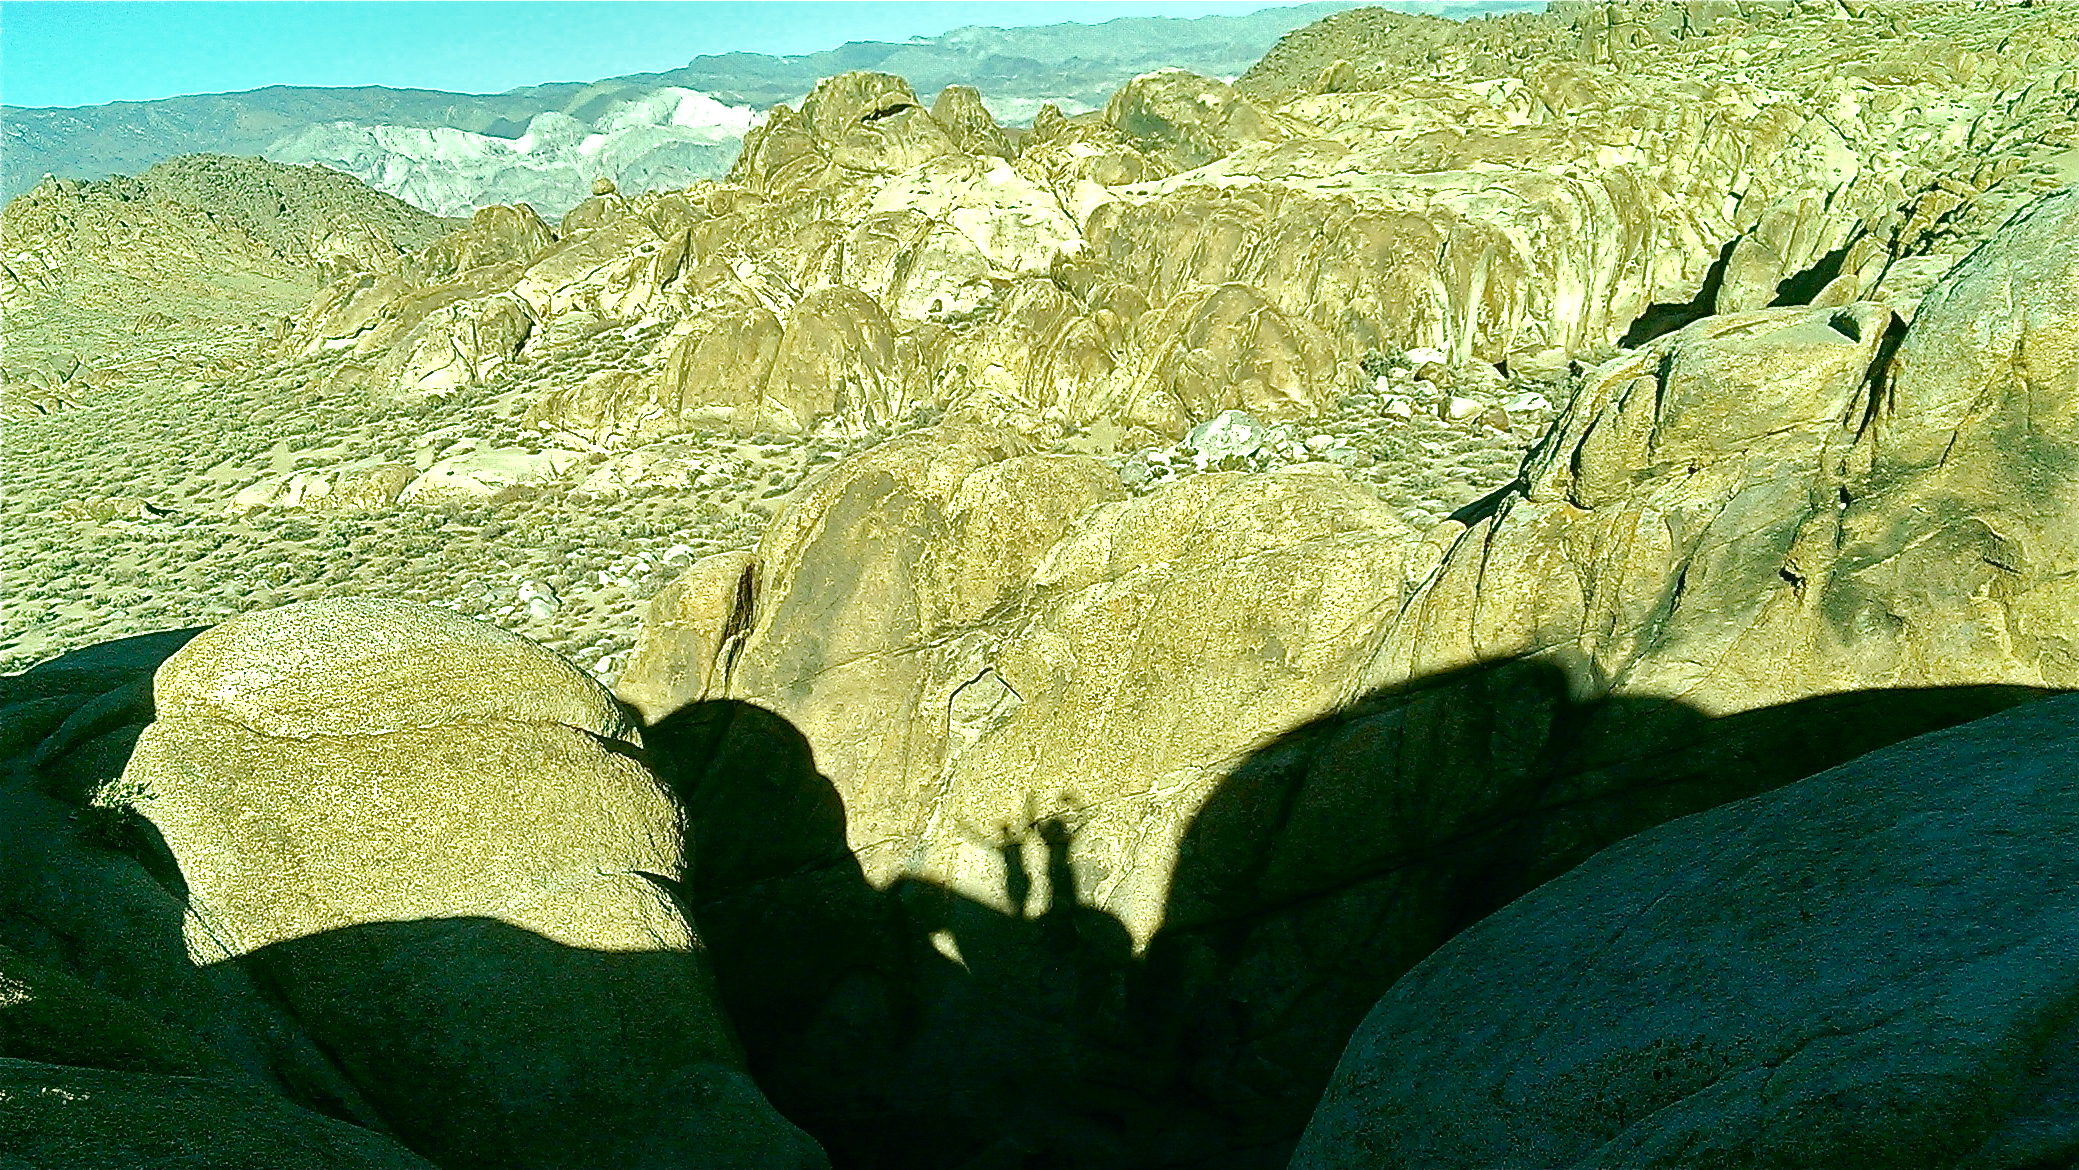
pixel 918 1026
pixel 909 1024
pixel 914 1026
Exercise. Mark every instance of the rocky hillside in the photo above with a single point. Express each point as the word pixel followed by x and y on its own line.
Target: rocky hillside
pixel 156 276
pixel 1374 615
pixel 451 153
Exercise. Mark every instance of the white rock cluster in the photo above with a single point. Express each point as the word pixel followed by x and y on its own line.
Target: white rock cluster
pixel 667 138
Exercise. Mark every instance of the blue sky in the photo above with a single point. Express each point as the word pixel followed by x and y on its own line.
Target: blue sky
pixel 85 53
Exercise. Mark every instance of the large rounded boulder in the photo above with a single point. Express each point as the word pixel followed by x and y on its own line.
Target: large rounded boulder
pixel 434 839
pixel 1870 967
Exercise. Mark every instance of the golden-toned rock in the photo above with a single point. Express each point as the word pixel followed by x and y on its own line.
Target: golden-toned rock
pixel 959 109
pixel 694 629
pixel 1187 120
pixel 872 122
pixel 836 357
pixel 1227 349
pixel 938 559
pixel 495 235
pixel 430 836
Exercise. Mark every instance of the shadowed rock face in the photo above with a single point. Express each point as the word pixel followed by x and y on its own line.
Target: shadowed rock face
pixel 1039 806
pixel 1868 967
pixel 64 1115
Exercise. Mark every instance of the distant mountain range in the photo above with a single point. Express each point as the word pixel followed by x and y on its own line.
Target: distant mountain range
pixel 451 152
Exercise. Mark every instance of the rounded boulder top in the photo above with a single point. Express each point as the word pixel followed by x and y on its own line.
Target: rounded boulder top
pixel 362 666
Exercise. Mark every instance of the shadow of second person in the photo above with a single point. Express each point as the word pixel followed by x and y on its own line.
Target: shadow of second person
pixel 913 1026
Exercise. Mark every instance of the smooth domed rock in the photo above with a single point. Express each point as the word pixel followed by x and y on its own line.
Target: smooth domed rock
pixel 433 840
pixel 1225 348
pixel 969 123
pixel 977 643
pixel 495 235
pixel 455 346
pixel 836 357
pixel 1188 120
pixel 872 122
pixel 1863 968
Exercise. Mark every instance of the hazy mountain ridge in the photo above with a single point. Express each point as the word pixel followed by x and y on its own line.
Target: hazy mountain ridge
pixel 355 130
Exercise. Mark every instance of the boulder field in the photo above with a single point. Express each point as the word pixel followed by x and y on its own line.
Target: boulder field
pixel 989 811
pixel 1495 191
pixel 1089 762
pixel 1235 754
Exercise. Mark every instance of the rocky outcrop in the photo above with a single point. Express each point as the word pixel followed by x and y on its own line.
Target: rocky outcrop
pixel 1494 190
pixel 431 838
pixel 1296 746
pixel 1864 967
pixel 979 644
pixel 1784 506
pixel 1160 644
pixel 1187 121
pixel 1052 608
pixel 969 123
pixel 225 245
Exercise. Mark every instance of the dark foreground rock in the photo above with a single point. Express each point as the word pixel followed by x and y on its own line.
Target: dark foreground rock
pixel 1871 967
pixel 429 844
pixel 60 1118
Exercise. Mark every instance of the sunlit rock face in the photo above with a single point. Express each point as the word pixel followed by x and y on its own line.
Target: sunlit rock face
pixel 1269 746
pixel 431 838
pixel 1508 192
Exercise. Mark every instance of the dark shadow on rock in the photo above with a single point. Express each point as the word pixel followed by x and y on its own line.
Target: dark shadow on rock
pixel 1662 318
pixel 1346 851
pixel 473 1042
pixel 917 1027
pixel 911 1026
pixel 95 892
pixel 53 710
pixel 486 1045
pixel 914 1027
